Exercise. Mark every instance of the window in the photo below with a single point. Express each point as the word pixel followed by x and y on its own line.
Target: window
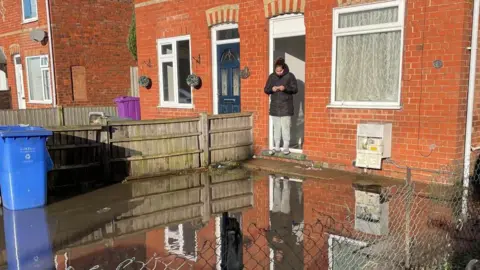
pixel 29 10
pixel 228 34
pixel 38 76
pixel 346 253
pixel 367 55
pixel 181 240
pixel 3 77
pixel 174 66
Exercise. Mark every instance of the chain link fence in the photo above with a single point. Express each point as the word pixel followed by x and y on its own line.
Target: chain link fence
pixel 407 226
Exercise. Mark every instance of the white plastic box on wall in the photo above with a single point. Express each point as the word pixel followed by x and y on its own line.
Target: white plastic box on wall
pixel 374 143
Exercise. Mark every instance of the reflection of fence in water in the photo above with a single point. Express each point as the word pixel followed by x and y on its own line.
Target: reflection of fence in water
pixel 423 228
pixel 177 199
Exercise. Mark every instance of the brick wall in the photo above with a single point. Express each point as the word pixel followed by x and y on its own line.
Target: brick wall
pixel 92 36
pixel 433 100
pixel 14 32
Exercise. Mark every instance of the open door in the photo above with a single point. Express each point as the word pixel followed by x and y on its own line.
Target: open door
pixel 287 40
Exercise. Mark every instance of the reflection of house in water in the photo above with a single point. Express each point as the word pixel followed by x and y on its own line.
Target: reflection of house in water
pixel 176 210
pixel 286 223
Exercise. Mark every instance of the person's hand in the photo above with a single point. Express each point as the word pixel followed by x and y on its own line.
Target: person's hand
pixel 275 88
pixel 281 88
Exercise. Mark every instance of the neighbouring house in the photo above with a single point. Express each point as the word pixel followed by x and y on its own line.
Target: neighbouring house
pixel 400 62
pixel 80 46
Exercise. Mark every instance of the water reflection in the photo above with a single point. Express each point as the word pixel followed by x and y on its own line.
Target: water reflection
pixel 27 239
pixel 286 223
pixel 229 220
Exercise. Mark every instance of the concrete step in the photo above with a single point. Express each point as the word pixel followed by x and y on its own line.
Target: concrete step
pixel 291 156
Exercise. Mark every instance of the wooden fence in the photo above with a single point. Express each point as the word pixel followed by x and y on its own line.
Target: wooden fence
pixel 129 149
pixel 59 116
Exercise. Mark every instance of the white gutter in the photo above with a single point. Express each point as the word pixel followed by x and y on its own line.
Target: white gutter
pixel 471 96
pixel 50 49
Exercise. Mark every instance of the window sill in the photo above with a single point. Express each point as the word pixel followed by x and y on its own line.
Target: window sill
pixel 39 102
pixel 30 21
pixel 175 106
pixel 372 107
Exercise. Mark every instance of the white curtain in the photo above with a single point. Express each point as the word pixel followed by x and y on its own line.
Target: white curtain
pixel 367 65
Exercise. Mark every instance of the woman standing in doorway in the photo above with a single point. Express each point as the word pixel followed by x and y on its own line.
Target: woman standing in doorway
pixel 281 86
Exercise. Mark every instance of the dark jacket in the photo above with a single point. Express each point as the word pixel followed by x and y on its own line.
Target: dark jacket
pixel 281 102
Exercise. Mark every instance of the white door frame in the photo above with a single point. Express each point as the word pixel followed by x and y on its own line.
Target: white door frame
pixel 270 207
pixel 293 31
pixel 22 104
pixel 213 32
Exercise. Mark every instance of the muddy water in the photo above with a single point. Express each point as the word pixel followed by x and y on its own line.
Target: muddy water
pixel 175 222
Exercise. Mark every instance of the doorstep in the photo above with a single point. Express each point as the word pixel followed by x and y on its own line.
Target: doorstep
pixel 297 169
pixel 291 156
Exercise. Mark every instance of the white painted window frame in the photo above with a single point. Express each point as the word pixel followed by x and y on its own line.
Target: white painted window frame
pixel 33 19
pixel 180 238
pixel 340 239
pixel 42 69
pixel 368 29
pixel 215 43
pixel 271 38
pixel 172 58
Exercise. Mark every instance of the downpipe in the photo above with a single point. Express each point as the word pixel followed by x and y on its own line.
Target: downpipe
pixel 470 104
pixel 53 84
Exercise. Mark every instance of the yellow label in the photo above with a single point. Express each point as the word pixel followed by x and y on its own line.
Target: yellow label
pixel 373 148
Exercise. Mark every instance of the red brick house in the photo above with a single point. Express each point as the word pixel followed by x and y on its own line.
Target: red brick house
pixel 85 43
pixel 404 62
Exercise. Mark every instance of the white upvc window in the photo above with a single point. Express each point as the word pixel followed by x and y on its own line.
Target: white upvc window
pixel 174 64
pixel 181 240
pixel 346 253
pixel 38 79
pixel 367 55
pixel 29 11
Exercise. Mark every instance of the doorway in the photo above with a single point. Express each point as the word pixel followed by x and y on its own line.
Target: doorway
pixel 19 81
pixel 286 220
pixel 226 69
pixel 287 40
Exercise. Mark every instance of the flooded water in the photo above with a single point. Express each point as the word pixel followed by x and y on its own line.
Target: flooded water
pixel 223 220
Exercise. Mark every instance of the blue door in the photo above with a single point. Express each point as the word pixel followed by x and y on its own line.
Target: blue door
pixel 228 63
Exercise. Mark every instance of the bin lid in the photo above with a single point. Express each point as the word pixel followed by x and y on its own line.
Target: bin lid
pixel 23 131
pixel 126 98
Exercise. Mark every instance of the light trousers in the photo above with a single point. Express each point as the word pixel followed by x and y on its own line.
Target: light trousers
pixel 281 130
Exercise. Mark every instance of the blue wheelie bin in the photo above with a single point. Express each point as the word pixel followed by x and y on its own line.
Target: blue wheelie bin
pixel 24 166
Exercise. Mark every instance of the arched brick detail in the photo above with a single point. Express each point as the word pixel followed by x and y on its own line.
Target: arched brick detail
pixel 279 7
pixel 14 49
pixel 222 14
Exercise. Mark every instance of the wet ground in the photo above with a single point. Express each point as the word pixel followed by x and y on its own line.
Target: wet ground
pixel 308 219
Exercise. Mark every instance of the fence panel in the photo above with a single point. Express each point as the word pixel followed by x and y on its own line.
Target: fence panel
pixel 150 147
pixel 118 150
pixel 34 117
pixel 50 117
pixel 77 156
pixel 79 115
pixel 231 137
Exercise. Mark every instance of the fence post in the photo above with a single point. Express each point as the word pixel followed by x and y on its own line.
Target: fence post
pixel 60 116
pixel 204 140
pixel 206 196
pixel 105 144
